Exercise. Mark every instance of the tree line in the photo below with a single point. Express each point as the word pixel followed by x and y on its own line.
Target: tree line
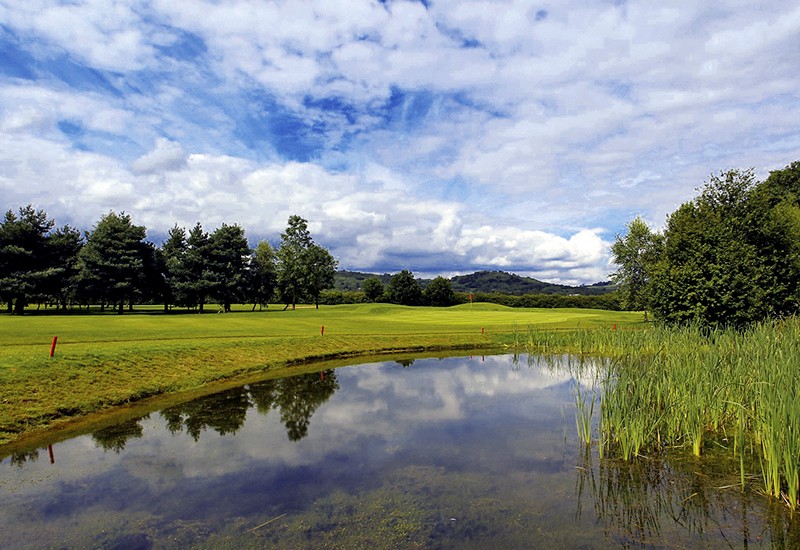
pixel 114 266
pixel 729 257
pixel 608 301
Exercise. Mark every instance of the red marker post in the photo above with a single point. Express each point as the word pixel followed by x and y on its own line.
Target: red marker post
pixel 53 346
pixel 322 330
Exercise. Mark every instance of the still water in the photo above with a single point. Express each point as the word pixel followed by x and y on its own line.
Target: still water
pixel 434 453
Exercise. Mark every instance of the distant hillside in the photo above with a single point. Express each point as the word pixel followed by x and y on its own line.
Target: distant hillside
pixel 482 281
pixel 352 280
pixel 509 283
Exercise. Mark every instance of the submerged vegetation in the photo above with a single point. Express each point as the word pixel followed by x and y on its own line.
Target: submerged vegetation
pixel 692 388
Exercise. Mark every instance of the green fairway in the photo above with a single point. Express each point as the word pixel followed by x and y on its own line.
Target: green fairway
pixel 104 360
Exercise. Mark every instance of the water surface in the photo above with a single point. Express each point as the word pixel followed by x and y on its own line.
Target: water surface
pixel 436 453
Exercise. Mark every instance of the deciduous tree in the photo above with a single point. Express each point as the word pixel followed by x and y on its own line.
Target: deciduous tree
pixel 321 270
pixel 305 269
pixel 714 270
pixel 404 289
pixel 372 288
pixel 439 292
pixel 636 254
pixel 292 271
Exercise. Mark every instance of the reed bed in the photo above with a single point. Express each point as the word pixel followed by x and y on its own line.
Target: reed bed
pixel 686 387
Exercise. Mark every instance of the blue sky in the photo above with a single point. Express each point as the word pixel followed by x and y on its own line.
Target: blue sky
pixel 441 137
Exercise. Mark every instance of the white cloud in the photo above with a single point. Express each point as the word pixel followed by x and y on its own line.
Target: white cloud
pixel 167 156
pixel 468 133
pixel 105 34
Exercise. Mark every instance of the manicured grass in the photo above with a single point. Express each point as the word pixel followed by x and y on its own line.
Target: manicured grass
pixel 105 360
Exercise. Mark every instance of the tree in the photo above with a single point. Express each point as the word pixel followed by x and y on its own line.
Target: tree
pixel 226 264
pixel 64 246
pixel 263 274
pixel 173 252
pixel 25 263
pixel 291 261
pixel 373 289
pixel 774 228
pixel 305 269
pixel 155 288
pixel 712 271
pixel 404 289
pixel 636 255
pixel 198 284
pixel 321 270
pixel 111 264
pixel 439 292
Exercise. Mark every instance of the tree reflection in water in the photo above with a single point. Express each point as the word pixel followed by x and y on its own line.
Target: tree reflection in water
pixel 296 398
pixel 642 502
pixel 114 438
pixel 222 412
pixel 21 457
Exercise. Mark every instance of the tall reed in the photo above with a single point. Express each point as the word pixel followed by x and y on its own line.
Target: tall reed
pixel 668 387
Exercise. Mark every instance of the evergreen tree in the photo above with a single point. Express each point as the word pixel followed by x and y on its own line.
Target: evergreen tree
pixel 25 261
pixel 64 246
pixel 263 274
pixel 198 284
pixel 173 252
pixel 112 263
pixel 226 266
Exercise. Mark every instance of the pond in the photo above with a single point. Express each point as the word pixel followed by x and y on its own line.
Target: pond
pixel 434 453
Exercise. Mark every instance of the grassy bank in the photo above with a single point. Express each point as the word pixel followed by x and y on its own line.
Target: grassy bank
pixel 105 360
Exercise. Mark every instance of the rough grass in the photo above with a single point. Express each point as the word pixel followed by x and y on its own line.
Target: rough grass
pixel 105 360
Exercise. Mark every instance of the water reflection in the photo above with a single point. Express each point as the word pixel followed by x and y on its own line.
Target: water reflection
pixel 652 501
pixel 113 438
pixel 296 399
pixel 426 453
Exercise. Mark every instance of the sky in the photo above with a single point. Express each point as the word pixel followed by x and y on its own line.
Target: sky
pixel 443 137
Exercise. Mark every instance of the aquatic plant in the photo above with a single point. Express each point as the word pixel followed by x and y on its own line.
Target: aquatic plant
pixel 683 387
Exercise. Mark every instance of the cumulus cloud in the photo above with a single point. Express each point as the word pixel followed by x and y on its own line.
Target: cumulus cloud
pixel 167 156
pixel 442 137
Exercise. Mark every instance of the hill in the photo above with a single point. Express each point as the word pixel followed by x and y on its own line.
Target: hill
pixel 483 281
pixel 509 283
